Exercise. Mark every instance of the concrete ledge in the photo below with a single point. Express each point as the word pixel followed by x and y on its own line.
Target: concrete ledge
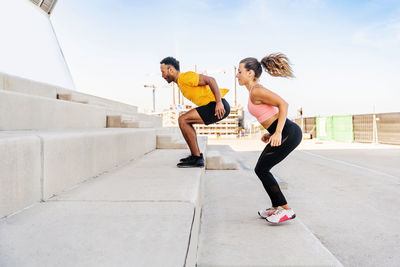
pixel 216 161
pixel 24 112
pixel 20 171
pixel 26 86
pixel 156 120
pixel 97 101
pixel 141 181
pixel 72 157
pixel 34 88
pixel 133 121
pixel 36 165
pixel 171 141
pixel 137 124
pixel 169 130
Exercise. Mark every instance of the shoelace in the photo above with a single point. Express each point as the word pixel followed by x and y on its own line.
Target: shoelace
pixel 278 211
pixel 268 210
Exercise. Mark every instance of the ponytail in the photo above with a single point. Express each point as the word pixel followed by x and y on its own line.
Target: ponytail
pixel 277 65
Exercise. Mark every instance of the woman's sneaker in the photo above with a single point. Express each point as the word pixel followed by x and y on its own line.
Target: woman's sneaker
pixel 265 213
pixel 281 215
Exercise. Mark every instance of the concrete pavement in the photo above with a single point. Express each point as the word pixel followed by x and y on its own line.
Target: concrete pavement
pixel 346 200
pixel 347 194
pixel 232 234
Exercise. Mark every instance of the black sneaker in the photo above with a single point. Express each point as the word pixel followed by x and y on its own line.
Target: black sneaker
pixel 189 158
pixel 192 162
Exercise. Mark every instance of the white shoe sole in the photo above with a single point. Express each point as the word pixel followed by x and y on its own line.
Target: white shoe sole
pixel 291 218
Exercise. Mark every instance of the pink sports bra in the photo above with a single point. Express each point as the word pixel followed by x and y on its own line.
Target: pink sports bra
pixel 262 112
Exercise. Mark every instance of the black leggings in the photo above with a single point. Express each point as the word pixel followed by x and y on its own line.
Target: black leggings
pixel 291 138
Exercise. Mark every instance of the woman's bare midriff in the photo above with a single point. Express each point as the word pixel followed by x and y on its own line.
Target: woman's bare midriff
pixel 268 122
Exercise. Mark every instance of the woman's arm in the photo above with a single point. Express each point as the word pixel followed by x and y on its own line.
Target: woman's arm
pixel 262 95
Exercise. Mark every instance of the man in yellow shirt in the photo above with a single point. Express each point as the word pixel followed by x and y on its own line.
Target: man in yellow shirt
pixel 203 91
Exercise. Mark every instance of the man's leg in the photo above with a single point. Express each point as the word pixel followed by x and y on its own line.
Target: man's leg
pixel 186 122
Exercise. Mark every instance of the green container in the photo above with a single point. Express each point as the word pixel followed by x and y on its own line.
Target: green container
pixel 337 128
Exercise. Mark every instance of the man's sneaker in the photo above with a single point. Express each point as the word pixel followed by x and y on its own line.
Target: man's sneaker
pixel 265 213
pixel 192 162
pixel 281 215
pixel 189 158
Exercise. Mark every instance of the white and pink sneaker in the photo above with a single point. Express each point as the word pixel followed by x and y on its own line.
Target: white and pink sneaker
pixel 265 213
pixel 281 215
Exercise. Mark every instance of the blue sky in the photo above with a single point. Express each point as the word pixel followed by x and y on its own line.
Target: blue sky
pixel 345 54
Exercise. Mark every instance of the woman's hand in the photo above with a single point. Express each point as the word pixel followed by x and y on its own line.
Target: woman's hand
pixel 275 139
pixel 219 110
pixel 265 138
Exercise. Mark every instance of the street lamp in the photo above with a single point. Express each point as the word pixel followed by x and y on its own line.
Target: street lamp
pixel 153 87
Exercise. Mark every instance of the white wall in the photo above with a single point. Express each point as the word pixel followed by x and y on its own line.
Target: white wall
pixel 28 45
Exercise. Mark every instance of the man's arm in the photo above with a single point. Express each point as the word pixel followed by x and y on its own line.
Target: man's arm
pixel 210 81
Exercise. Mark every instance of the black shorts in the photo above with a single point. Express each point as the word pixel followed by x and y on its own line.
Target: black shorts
pixel 207 112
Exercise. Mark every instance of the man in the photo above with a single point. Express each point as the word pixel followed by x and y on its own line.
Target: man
pixel 203 91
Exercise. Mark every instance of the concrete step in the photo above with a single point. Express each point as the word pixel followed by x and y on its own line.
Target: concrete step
pixel 97 233
pixel 36 165
pixel 145 213
pixel 26 112
pixel 137 124
pixel 176 141
pixel 170 141
pixel 218 161
pixel 156 120
pixel 22 85
pixel 20 172
pixel 133 121
pixel 169 130
pixel 232 234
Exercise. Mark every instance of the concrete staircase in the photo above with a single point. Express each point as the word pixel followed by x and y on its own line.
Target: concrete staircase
pixel 30 105
pixel 134 215
pixel 76 193
pixel 48 144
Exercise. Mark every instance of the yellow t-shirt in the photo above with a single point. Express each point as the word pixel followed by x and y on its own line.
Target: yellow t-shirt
pixel 188 83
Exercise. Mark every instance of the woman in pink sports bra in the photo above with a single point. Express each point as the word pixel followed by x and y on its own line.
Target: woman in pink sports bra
pixel 283 135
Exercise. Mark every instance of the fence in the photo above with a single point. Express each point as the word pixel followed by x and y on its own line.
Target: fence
pixel 381 128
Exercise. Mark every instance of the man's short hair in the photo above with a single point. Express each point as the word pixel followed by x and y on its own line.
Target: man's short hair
pixel 171 61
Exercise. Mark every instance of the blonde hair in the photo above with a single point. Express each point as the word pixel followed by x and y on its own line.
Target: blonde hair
pixel 277 65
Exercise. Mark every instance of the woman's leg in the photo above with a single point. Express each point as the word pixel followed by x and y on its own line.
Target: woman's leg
pixel 291 137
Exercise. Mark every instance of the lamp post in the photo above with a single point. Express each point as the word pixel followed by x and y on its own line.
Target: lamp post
pixel 153 87
pixel 234 86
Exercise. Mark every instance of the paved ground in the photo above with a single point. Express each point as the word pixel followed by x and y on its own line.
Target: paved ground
pixel 232 234
pixel 348 195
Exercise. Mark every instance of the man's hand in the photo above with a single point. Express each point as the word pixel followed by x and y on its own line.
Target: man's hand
pixel 219 110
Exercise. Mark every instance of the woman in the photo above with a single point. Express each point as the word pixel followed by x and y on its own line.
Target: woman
pixel 283 135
